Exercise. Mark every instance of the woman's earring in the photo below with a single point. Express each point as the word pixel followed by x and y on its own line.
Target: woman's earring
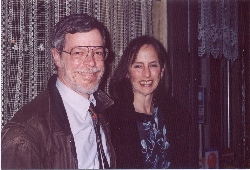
pixel 127 75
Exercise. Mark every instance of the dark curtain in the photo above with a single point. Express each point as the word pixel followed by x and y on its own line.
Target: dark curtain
pixel 182 49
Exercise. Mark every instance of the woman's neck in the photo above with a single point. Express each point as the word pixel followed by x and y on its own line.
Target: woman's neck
pixel 143 104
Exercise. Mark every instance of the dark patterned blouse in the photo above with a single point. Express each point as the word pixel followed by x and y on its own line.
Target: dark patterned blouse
pixel 153 137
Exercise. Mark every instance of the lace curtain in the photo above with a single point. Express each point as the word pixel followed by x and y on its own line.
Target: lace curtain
pixel 26 27
pixel 218 28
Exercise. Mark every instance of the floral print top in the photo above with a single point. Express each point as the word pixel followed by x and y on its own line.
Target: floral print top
pixel 153 137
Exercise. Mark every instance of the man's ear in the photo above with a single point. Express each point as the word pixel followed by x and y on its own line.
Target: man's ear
pixel 56 57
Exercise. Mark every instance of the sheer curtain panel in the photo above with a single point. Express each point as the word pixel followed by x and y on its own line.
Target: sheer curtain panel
pixel 26 61
pixel 218 28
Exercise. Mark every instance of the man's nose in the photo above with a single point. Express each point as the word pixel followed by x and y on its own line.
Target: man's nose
pixel 90 60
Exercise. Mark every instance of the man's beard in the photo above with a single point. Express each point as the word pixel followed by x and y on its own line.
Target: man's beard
pixel 84 90
pixel 78 87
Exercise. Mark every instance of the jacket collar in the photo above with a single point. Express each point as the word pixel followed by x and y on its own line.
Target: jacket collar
pixel 103 101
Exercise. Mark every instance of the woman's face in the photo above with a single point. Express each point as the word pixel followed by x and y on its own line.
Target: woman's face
pixel 145 73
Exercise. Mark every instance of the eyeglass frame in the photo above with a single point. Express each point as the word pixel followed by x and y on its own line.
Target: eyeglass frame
pixel 105 51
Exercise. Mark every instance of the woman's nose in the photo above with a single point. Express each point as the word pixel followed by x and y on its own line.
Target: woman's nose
pixel 146 72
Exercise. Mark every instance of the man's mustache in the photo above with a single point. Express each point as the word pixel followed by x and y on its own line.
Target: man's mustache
pixel 88 70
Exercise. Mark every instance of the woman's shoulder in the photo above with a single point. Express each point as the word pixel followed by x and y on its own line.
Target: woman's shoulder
pixel 119 110
pixel 174 112
pixel 171 104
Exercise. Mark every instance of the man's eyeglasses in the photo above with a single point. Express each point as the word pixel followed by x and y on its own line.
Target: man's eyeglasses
pixel 79 53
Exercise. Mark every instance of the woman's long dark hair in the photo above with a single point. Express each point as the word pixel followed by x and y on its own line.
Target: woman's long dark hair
pixel 129 55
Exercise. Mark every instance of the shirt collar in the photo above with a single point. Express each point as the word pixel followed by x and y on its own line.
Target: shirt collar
pixel 75 100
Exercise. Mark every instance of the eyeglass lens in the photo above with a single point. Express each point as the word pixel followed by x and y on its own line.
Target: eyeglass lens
pixel 79 53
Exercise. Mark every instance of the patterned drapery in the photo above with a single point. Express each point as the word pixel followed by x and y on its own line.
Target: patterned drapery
pixel 218 28
pixel 26 26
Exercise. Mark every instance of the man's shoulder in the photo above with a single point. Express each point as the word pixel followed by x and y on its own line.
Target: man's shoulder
pixel 26 134
pixel 30 115
pixel 34 108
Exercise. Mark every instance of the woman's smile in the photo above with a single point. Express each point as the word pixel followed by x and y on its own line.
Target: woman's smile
pixel 146 83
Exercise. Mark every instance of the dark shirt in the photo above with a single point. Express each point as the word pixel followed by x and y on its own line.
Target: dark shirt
pixel 153 139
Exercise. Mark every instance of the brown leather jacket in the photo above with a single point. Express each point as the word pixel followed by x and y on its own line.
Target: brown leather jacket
pixel 39 135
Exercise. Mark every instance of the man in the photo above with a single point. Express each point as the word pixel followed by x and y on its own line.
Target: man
pixel 58 129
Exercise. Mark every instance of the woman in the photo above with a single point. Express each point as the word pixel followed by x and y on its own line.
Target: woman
pixel 147 130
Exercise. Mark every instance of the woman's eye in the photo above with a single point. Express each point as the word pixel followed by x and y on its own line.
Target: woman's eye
pixel 137 66
pixel 154 65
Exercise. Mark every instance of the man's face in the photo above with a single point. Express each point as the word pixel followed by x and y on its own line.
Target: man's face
pixel 84 75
